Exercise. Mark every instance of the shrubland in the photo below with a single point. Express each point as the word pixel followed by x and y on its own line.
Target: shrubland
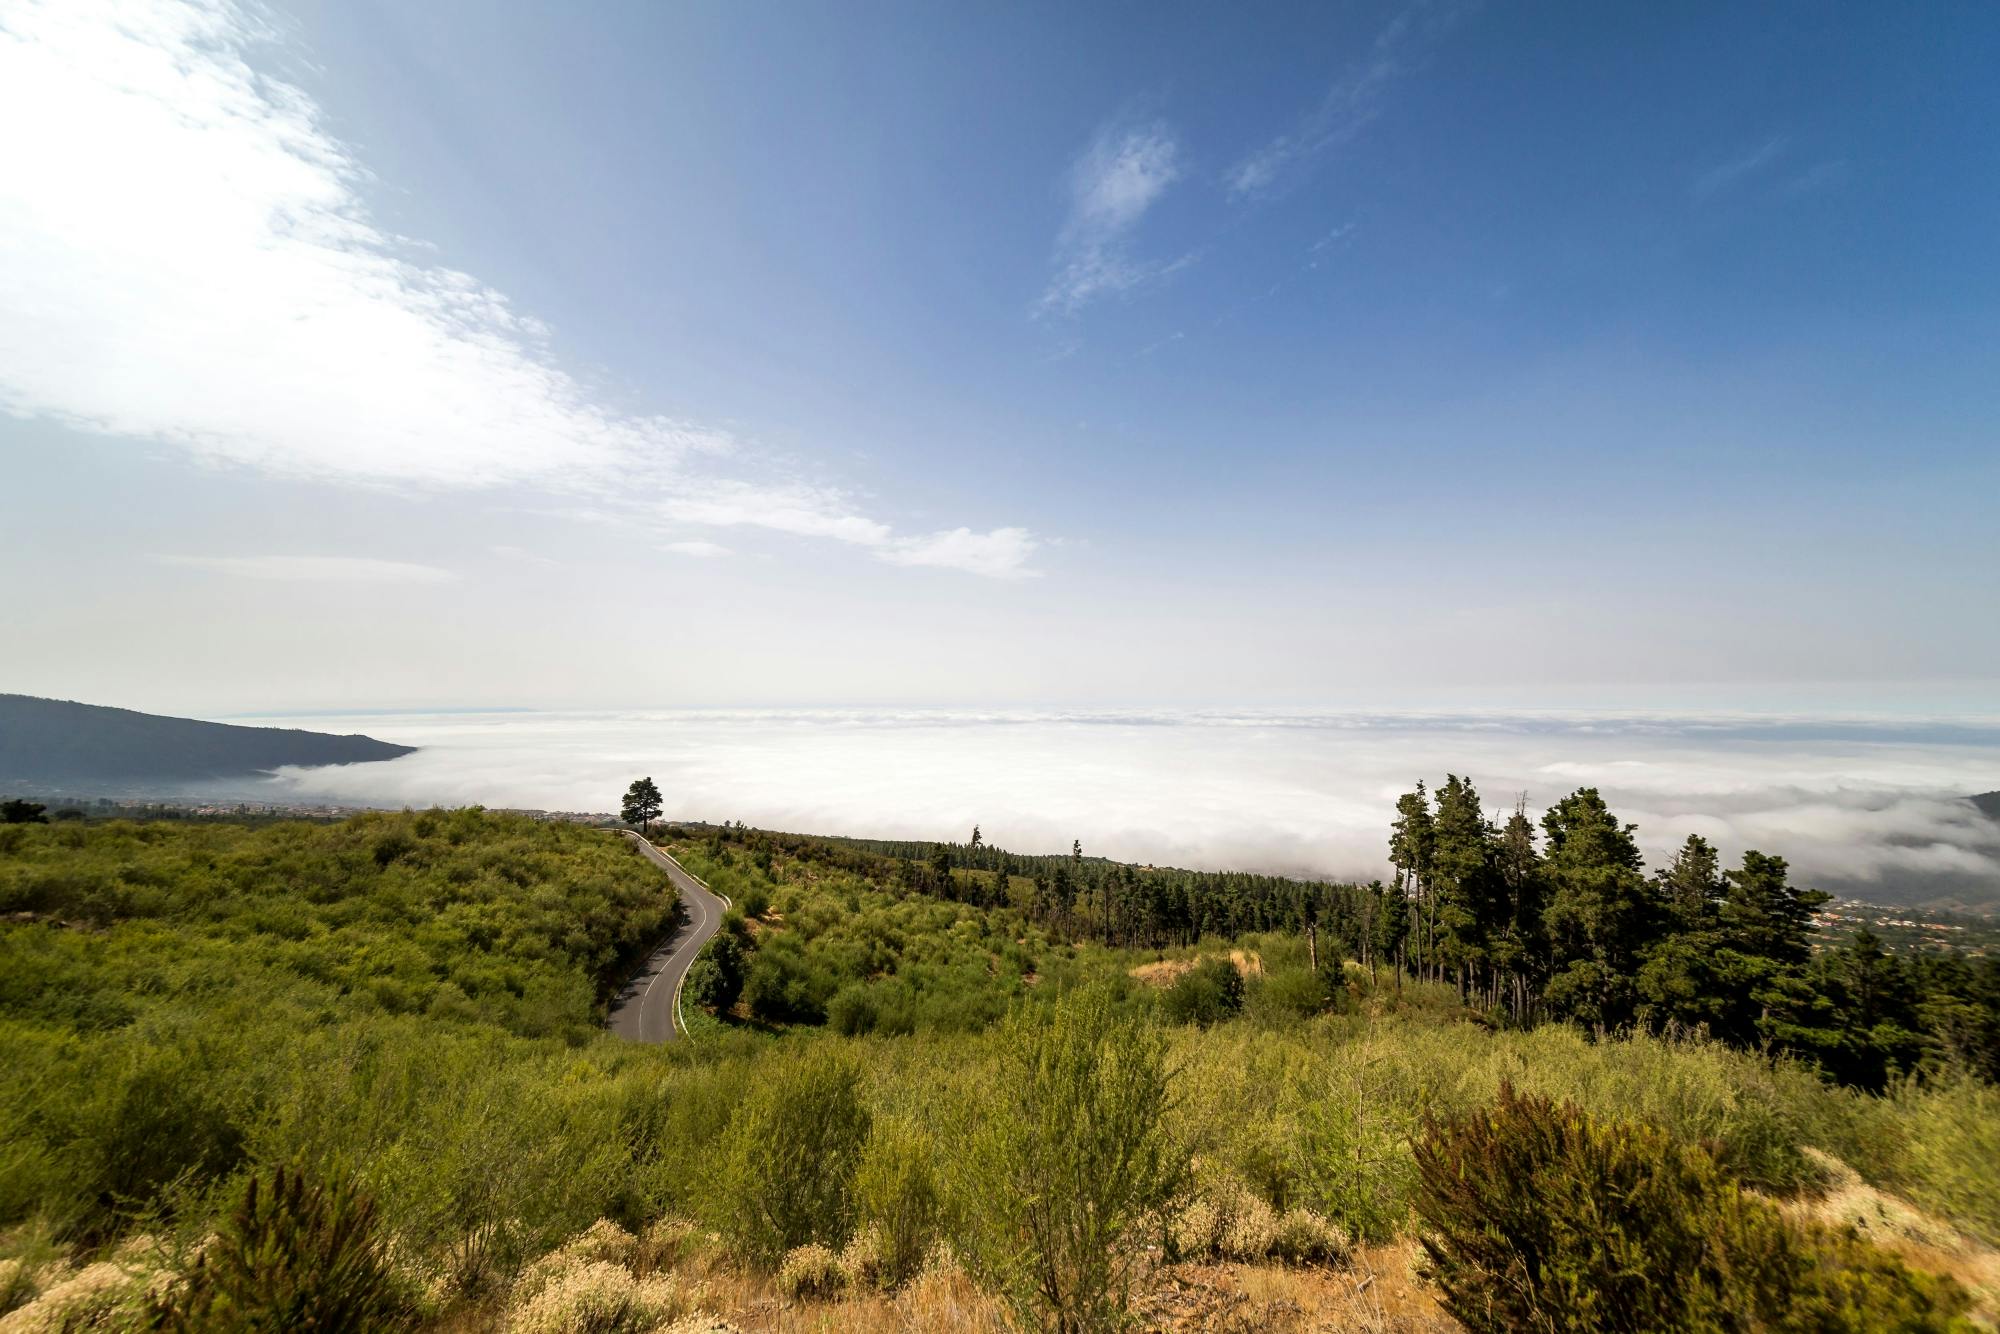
pixel 372 1051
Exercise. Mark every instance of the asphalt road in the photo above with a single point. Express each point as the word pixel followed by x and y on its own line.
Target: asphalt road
pixel 644 1010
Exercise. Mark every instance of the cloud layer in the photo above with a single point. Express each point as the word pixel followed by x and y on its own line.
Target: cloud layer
pixel 189 259
pixel 1872 810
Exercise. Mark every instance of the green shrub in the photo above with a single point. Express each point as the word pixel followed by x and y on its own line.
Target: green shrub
pixel 1356 1119
pixel 790 1156
pixel 783 987
pixel 899 1198
pixel 1295 993
pixel 1537 1217
pixel 1208 993
pixel 1073 1154
pixel 294 1255
pixel 716 979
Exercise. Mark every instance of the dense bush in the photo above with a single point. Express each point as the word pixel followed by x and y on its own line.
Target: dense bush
pixel 1074 1152
pixel 790 1156
pixel 900 1198
pixel 716 979
pixel 1535 1216
pixel 1208 993
pixel 859 955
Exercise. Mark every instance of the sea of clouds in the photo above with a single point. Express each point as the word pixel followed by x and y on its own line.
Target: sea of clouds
pixel 1869 807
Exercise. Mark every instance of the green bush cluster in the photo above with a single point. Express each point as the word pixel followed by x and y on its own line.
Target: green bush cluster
pixel 1536 1216
pixel 791 1153
pixel 852 954
pixel 1208 993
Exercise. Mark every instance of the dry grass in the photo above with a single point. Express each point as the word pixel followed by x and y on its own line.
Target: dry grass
pixel 1919 1239
pixel 1373 1294
pixel 1163 973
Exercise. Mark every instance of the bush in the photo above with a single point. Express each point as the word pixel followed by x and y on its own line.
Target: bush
pixel 783 987
pixel 1296 993
pixel 1206 994
pixel 716 977
pixel 790 1156
pixel 811 1271
pixel 294 1255
pixel 584 1296
pixel 900 1201
pixel 1308 1238
pixel 1537 1217
pixel 1352 1150
pixel 1075 1152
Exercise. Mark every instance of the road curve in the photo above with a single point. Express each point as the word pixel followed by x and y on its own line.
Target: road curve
pixel 645 1010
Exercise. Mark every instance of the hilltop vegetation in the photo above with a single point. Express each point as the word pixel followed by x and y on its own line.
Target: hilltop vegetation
pixel 925 1104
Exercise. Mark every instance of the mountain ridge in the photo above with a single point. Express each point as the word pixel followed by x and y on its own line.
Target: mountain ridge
pixel 70 745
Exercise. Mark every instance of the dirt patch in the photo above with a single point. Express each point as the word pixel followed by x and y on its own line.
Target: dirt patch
pixel 1373 1293
pixel 1165 972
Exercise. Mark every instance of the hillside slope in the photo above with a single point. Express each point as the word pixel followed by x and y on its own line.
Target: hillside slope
pixel 59 743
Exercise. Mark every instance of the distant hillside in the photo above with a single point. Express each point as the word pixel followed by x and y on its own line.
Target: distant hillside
pixel 1988 802
pixel 57 744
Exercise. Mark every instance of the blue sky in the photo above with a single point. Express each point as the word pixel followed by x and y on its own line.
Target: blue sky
pixel 1379 354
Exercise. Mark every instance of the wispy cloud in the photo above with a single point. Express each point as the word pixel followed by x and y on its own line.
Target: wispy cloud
pixel 525 556
pixel 190 260
pixel 1350 105
pixel 1740 168
pixel 1003 553
pixel 699 550
pixel 315 569
pixel 1118 177
pixel 1820 176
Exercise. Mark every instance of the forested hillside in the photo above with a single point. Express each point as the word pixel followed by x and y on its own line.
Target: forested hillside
pixel 356 1073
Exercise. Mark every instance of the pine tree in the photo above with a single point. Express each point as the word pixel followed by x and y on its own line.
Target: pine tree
pixel 642 804
pixel 1693 886
pixel 1601 911
pixel 1412 843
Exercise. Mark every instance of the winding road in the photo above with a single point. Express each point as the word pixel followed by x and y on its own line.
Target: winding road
pixel 647 1010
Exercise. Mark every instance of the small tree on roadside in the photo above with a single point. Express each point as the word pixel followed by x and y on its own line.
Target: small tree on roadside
pixel 643 804
pixel 1076 1153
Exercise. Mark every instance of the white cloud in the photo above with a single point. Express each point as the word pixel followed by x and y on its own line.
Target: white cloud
pixel 316 569
pixel 1000 554
pixel 1118 177
pixel 801 511
pixel 699 550
pixel 189 259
